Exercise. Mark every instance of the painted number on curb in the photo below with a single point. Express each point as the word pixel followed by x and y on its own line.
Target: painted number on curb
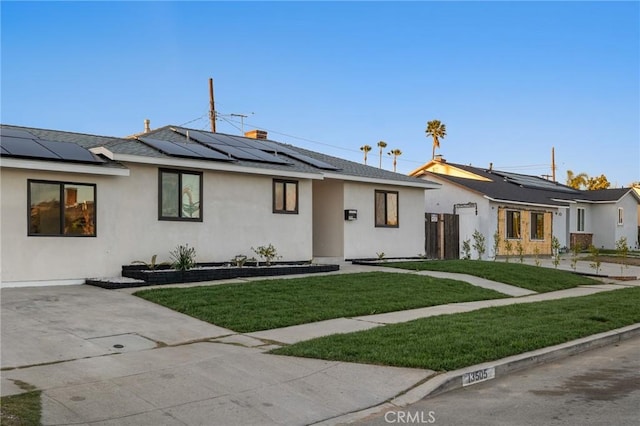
pixel 478 376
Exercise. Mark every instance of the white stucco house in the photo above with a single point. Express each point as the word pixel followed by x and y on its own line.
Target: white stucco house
pixel 76 206
pixel 529 210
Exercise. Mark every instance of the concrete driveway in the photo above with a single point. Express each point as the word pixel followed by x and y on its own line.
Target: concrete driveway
pixel 108 358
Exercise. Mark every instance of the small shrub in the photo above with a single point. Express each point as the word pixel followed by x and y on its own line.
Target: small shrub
pixel 555 250
pixel 496 244
pixel 184 258
pixel 622 250
pixel 508 247
pixel 520 251
pixel 151 265
pixel 479 243
pixel 536 254
pixel 466 249
pixel 239 260
pixel 268 253
pixel 595 256
pixel 380 255
pixel 575 252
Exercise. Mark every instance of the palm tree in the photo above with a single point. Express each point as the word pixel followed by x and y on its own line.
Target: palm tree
pixel 577 181
pixel 382 145
pixel 437 131
pixel 395 153
pixel 365 149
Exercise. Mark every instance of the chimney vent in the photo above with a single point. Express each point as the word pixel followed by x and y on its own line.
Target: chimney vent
pixel 256 134
pixel 147 125
pixel 440 159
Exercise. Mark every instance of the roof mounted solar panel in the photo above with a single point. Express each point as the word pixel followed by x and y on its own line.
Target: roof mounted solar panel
pixel 16 133
pixel 70 151
pixel 187 150
pixel 301 157
pixel 231 146
pixel 4 151
pixel 205 152
pixel 28 148
pixel 534 182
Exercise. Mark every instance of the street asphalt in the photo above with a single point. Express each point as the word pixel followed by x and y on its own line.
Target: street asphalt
pixel 105 357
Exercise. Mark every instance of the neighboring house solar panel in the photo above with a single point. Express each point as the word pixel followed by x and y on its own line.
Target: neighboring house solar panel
pixel 28 148
pixel 534 182
pixel 4 151
pixel 70 151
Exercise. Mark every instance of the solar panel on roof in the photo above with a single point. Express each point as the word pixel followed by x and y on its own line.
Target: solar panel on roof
pixel 16 133
pixel 4 151
pixel 534 182
pixel 204 151
pixel 29 148
pixel 231 146
pixel 301 157
pixel 70 151
pixel 187 150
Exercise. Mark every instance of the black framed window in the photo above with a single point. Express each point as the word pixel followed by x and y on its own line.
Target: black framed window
pixel 513 224
pixel 180 195
pixel 285 196
pixel 386 209
pixel 61 209
pixel 581 216
pixel 537 226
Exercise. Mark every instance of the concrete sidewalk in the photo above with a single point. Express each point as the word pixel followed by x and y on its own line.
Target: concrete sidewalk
pixel 106 358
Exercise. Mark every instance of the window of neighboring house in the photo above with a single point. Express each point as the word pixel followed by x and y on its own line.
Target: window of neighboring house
pixel 285 196
pixel 513 224
pixel 61 209
pixel 581 214
pixel 537 226
pixel 180 195
pixel 620 216
pixel 386 209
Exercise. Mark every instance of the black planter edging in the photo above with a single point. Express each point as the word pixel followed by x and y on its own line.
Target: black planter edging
pixel 163 276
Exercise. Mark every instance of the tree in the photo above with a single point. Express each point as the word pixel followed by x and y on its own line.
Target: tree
pixel 576 181
pixel 365 149
pixel 599 182
pixel 395 153
pixel 437 131
pixel 382 145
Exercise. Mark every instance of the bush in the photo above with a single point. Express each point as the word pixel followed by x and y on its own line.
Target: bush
pixel 184 258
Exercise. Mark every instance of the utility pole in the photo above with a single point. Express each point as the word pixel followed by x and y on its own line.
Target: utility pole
pixel 212 108
pixel 553 163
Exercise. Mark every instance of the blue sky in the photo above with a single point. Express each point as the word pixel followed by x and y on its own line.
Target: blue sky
pixel 510 80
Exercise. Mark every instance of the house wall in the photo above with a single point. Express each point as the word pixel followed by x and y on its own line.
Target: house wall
pixel 529 246
pixel 363 240
pixel 328 218
pixel 237 215
pixel 606 231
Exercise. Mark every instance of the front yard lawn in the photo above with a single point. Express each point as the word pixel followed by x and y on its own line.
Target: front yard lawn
pixel 449 342
pixel 533 278
pixel 268 304
pixel 20 410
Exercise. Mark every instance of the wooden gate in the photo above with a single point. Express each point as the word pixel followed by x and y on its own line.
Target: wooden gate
pixel 442 236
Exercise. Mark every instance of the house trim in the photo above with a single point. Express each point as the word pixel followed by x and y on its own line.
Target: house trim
pixel 382 181
pixel 51 166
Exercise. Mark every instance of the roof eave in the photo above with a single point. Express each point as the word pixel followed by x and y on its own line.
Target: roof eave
pixel 62 166
pixel 418 184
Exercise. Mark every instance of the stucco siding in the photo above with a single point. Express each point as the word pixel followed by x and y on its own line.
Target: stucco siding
pixel 362 239
pixel 237 215
pixel 328 218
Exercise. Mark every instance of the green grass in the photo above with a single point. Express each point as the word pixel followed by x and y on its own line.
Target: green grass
pixel 268 304
pixel 20 410
pixel 534 278
pixel 449 342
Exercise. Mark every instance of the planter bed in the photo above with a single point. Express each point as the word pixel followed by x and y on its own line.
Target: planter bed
pixel 140 275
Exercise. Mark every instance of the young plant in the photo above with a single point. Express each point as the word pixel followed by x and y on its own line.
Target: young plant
pixel 520 251
pixel 151 265
pixel 595 255
pixel 622 250
pixel 466 249
pixel 380 255
pixel 508 247
pixel 575 252
pixel 184 258
pixel 555 250
pixel 496 244
pixel 239 260
pixel 479 243
pixel 536 253
pixel 268 253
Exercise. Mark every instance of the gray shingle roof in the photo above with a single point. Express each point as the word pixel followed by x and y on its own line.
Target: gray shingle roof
pixel 499 188
pixel 131 146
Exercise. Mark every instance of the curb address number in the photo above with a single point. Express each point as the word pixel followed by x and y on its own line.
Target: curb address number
pixel 478 376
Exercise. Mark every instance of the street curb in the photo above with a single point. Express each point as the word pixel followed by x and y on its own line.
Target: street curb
pixel 452 380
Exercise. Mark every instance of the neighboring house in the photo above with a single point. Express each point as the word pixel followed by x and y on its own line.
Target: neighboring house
pixel 528 211
pixel 76 206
